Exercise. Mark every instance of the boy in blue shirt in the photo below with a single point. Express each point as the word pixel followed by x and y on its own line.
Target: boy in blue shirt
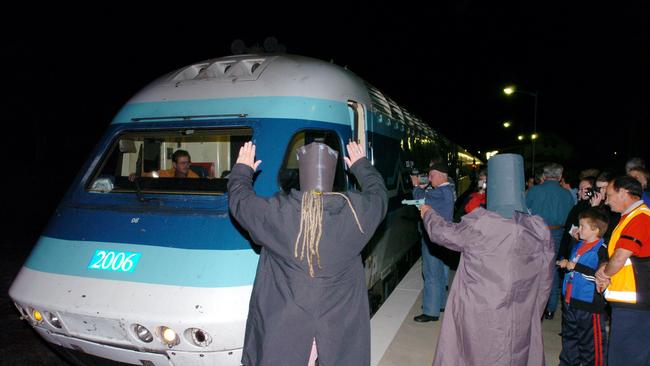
pixel 583 326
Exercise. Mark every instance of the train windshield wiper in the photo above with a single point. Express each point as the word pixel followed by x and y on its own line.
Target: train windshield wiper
pixel 138 191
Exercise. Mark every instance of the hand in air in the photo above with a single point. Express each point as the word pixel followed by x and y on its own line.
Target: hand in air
pixel 355 152
pixel 247 155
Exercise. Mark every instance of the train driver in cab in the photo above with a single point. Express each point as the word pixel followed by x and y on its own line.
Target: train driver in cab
pixel 181 162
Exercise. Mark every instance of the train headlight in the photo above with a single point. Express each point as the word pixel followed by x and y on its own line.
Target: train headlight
pixel 37 315
pixel 53 319
pixel 142 333
pixel 169 336
pixel 198 337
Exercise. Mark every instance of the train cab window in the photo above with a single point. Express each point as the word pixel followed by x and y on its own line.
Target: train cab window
pixel 184 161
pixel 289 177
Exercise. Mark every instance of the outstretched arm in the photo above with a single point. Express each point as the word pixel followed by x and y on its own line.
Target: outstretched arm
pixel 448 234
pixel 245 206
pixel 374 203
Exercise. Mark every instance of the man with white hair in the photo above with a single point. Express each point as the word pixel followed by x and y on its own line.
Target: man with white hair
pixel 635 162
pixel 553 203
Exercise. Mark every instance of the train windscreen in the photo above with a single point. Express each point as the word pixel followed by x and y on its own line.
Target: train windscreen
pixel 182 161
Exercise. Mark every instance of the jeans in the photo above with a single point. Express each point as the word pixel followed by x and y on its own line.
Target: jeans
pixel 551 305
pixel 629 337
pixel 436 274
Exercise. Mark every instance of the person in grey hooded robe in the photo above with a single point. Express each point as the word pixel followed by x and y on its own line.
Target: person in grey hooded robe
pixel 310 281
pixel 493 313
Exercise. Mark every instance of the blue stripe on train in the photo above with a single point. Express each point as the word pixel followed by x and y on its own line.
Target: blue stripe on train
pixel 189 229
pixel 253 107
pixel 157 265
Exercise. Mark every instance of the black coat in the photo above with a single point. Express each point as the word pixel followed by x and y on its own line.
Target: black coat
pixel 288 308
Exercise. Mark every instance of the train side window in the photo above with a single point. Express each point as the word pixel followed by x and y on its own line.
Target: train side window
pixel 289 177
pixel 144 160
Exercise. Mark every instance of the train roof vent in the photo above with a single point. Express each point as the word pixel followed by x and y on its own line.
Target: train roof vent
pixel 238 69
pixel 378 100
pixel 396 111
pixel 409 119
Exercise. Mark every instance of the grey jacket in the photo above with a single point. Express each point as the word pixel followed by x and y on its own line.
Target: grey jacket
pixel 493 313
pixel 288 307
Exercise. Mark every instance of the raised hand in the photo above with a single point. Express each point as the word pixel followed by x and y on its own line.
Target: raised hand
pixel 355 152
pixel 247 155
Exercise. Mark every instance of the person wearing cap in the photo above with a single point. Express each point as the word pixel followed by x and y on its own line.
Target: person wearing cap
pixel 435 271
pixel 503 279
pixel 626 275
pixel 552 202
pixel 310 289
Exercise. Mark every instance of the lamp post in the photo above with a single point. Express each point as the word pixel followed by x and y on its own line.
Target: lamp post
pixel 509 90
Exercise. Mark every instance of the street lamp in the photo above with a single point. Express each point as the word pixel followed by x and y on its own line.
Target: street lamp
pixel 509 90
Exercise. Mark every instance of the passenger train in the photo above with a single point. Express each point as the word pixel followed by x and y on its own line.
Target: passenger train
pixel 144 270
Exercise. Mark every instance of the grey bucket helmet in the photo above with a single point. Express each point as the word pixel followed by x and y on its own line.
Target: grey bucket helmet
pixel 505 193
pixel 317 166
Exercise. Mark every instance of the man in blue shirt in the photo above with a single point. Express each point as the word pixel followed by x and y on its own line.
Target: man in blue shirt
pixel 552 202
pixel 435 272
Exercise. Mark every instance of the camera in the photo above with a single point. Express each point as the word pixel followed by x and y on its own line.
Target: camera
pixel 423 179
pixel 590 192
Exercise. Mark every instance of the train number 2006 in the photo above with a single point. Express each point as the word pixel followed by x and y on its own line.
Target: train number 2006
pixel 110 260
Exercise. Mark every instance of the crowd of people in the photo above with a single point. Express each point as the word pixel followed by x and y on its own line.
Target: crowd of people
pixel 597 226
pixel 522 248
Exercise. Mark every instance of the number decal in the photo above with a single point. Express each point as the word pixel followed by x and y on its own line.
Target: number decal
pixel 99 255
pixel 111 260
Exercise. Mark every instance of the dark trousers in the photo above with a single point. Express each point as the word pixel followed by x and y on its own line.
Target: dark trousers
pixel 584 339
pixel 629 342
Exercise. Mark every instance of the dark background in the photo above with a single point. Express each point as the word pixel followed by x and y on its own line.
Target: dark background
pixel 68 71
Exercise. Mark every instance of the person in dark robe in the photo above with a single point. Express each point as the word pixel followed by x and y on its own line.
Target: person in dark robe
pixel 493 313
pixel 310 281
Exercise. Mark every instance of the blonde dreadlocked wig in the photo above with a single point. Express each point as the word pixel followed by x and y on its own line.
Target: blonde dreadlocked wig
pixel 311 226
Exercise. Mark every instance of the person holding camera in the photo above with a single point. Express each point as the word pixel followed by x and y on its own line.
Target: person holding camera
pixel 570 236
pixel 598 199
pixel 434 269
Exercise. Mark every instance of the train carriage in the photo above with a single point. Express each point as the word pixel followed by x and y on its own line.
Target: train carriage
pixel 141 269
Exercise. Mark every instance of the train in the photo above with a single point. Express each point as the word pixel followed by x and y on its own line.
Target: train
pixel 139 269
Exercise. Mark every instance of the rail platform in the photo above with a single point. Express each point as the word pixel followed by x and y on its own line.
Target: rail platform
pixel 398 340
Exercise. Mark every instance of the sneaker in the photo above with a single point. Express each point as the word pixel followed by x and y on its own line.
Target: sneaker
pixel 423 318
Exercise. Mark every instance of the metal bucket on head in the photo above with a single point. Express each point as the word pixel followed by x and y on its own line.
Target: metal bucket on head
pixel 505 188
pixel 317 167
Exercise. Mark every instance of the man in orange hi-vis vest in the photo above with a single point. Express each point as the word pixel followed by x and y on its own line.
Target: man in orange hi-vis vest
pixel 627 275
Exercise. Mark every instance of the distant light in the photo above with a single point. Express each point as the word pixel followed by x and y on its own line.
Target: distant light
pixel 520 137
pixel 509 90
pixel 507 124
pixel 534 136
pixel 615 153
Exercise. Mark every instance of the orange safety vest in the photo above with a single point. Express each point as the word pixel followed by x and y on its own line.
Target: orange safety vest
pixel 623 286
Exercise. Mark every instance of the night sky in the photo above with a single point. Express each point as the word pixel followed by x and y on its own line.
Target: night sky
pixel 68 75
